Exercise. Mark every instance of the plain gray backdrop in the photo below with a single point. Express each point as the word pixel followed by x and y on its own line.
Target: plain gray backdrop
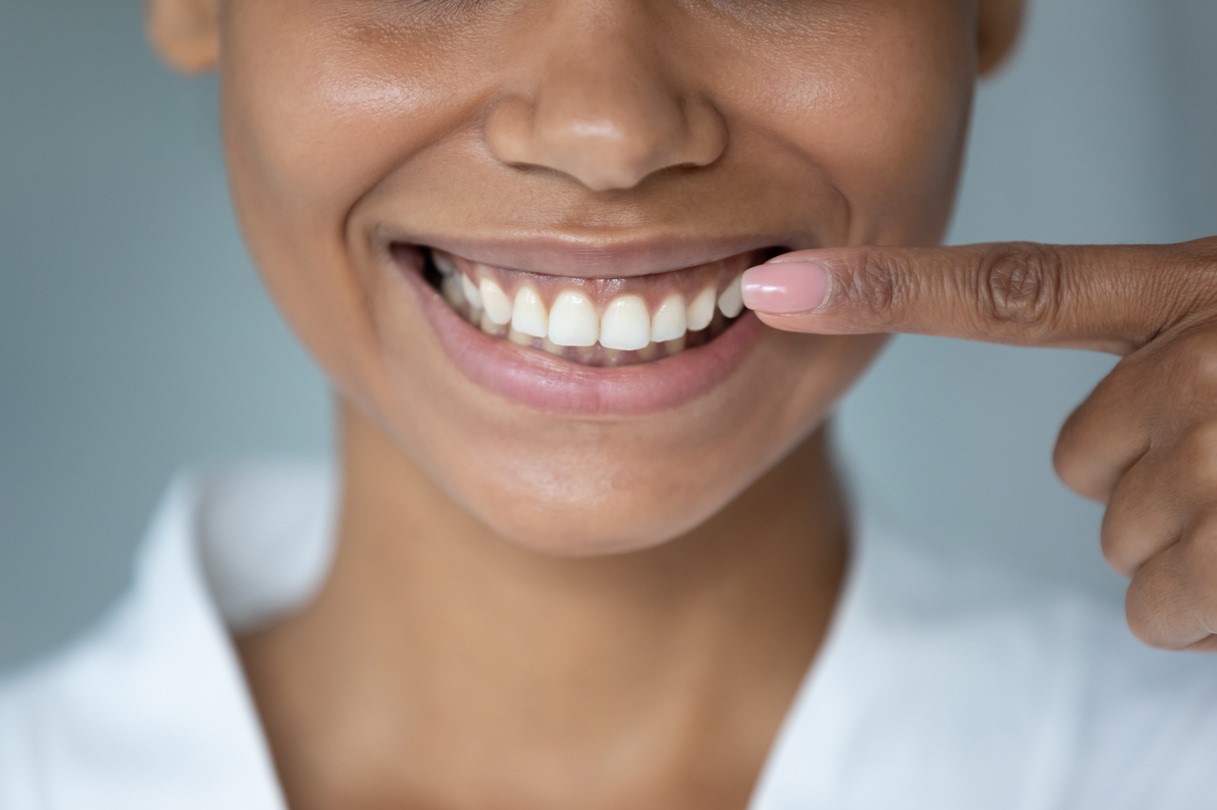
pixel 135 338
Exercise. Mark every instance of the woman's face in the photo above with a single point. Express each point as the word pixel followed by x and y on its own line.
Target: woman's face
pixel 569 157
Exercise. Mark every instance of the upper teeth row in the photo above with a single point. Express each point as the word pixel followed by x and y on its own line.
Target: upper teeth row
pixel 626 324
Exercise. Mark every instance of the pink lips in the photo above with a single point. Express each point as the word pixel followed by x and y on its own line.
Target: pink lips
pixel 550 384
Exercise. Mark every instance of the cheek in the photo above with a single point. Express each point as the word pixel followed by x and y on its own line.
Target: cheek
pixel 881 107
pixel 324 107
pixel 314 117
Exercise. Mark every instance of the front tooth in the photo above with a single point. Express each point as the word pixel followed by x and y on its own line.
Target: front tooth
pixel 572 320
pixel 669 321
pixel 472 294
pixel 701 310
pixel 731 302
pixel 495 302
pixel 528 315
pixel 626 324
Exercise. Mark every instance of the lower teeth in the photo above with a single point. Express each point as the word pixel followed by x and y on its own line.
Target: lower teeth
pixel 595 355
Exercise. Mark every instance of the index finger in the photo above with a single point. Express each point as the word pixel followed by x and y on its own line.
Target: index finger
pixel 1113 298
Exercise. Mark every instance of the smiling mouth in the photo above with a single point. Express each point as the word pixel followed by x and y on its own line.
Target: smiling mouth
pixel 599 322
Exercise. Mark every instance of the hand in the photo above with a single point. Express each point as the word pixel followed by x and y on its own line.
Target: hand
pixel 1144 442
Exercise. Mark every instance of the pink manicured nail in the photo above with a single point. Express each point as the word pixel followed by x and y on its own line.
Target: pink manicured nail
pixel 785 287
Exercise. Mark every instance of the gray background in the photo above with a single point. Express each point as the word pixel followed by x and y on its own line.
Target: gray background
pixel 135 338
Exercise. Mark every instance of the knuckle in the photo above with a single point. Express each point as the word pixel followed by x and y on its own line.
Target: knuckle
pixel 1203 253
pixel 1077 456
pixel 1197 458
pixel 1195 364
pixel 1145 604
pixel 1170 597
pixel 1204 527
pixel 1115 540
pixel 1208 645
pixel 878 285
pixel 1199 546
pixel 1082 476
pixel 1020 284
pixel 1066 467
pixel 1144 628
pixel 1070 452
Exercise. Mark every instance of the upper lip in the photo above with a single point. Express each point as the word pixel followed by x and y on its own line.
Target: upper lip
pixel 593 256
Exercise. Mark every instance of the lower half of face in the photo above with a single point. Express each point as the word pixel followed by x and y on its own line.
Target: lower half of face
pixel 513 236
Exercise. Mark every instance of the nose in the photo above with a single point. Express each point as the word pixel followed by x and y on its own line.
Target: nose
pixel 601 105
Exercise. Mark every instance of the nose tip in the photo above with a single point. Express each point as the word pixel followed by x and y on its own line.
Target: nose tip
pixel 606 105
pixel 605 146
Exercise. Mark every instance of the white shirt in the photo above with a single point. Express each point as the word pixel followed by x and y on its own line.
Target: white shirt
pixel 942 684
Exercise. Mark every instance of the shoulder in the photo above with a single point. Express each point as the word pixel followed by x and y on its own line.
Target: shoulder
pixel 133 715
pixel 148 708
pixel 60 709
pixel 1048 675
pixel 20 785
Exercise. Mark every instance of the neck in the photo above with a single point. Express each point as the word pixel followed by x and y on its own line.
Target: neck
pixel 436 649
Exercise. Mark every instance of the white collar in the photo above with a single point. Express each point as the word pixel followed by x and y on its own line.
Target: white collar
pixel 152 710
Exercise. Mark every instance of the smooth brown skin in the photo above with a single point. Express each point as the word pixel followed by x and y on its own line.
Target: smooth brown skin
pixel 1144 442
pixel 525 610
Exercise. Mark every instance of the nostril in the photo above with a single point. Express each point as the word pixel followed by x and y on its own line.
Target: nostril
pixel 509 130
pixel 605 131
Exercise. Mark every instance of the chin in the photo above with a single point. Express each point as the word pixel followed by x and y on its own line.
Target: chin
pixel 563 510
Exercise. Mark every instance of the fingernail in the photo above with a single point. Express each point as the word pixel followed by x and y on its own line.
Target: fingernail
pixel 785 287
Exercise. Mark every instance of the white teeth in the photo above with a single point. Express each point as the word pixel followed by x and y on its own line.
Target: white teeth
pixel 490 327
pixel 572 328
pixel 701 310
pixel 528 316
pixel 669 321
pixel 626 324
pixel 451 288
pixel 553 348
pixel 443 263
pixel 495 302
pixel 572 320
pixel 472 294
pixel 731 302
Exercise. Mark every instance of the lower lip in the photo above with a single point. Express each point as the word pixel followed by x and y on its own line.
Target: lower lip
pixel 547 383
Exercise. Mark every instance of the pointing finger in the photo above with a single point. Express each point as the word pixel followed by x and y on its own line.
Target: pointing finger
pixel 1106 298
